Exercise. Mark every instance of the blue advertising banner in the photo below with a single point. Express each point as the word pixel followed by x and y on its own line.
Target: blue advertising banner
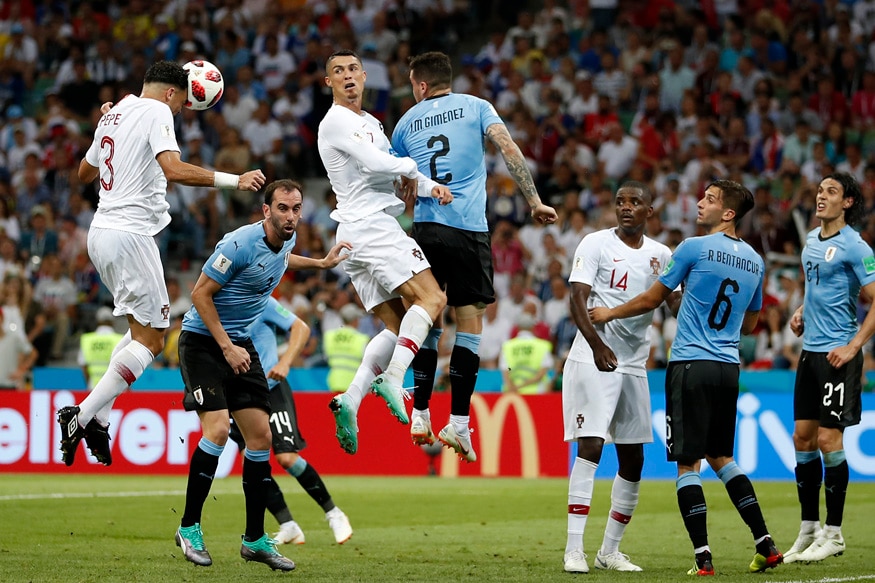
pixel 763 441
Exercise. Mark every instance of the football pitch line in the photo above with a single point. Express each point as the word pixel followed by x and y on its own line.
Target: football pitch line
pixel 69 495
pixel 832 579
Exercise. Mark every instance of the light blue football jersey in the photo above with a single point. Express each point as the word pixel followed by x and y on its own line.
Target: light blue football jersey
pixel 274 320
pixel 445 135
pixel 835 269
pixel 248 270
pixel 723 280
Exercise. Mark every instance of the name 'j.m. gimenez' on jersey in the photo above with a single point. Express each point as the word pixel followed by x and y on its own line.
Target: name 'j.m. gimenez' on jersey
pixel 437 119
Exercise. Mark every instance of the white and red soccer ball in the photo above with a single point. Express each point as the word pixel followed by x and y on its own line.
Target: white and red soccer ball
pixel 205 85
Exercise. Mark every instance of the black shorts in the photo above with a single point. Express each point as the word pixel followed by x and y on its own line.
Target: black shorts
pixel 461 262
pixel 701 399
pixel 210 382
pixel 827 394
pixel 287 437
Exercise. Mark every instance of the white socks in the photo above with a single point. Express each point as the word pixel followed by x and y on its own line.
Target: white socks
pixel 374 361
pixel 624 499
pixel 580 486
pixel 125 367
pixel 412 332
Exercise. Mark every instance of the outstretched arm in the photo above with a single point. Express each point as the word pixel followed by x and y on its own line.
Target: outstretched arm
pixel 644 302
pixel 519 171
pixel 335 256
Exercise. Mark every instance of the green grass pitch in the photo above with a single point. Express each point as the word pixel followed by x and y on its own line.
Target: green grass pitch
pixel 103 529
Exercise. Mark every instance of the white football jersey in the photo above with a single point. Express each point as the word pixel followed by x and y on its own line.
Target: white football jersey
pixel 617 273
pixel 356 154
pixel 133 187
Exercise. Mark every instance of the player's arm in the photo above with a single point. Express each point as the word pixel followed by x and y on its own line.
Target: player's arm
pixel 87 172
pixel 202 298
pixel 299 333
pixel 519 170
pixel 674 302
pixel 190 175
pixel 749 322
pixel 335 256
pixel 605 359
pixel 646 301
pixel 842 355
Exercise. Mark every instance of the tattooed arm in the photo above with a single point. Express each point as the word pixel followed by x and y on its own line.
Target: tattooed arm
pixel 519 170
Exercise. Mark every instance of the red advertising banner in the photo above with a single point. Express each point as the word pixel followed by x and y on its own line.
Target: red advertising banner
pixel 151 434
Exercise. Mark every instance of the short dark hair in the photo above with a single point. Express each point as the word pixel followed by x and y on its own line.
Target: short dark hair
pixel 169 73
pixel 850 189
pixel 634 184
pixel 434 68
pixel 286 184
pixel 735 196
pixel 341 53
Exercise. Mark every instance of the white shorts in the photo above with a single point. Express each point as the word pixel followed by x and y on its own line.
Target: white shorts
pixel 130 267
pixel 383 257
pixel 611 405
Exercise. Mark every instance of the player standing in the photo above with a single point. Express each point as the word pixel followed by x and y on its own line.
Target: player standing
pixel 385 265
pixel 445 134
pixel 723 292
pixel 222 371
pixel 604 382
pixel 837 262
pixel 135 154
pixel 287 440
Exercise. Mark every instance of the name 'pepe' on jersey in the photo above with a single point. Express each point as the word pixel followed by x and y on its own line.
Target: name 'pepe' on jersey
pixel 617 273
pixel 724 279
pixel 125 151
pixel 436 132
pixel 248 268
pixel 835 269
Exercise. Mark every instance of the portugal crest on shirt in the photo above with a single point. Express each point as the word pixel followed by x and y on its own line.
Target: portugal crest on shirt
pixel 654 265
pixel 830 253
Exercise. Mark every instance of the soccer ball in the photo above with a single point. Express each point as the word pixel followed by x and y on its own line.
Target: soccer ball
pixel 205 85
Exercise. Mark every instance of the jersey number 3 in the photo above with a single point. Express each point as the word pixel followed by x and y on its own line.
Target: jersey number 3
pixel 107 142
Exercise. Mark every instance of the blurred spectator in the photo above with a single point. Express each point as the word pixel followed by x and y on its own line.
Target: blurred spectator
pixel 344 347
pixel 17 358
pixel 617 154
pixel 57 294
pixel 526 360
pixel 40 239
pixel 20 55
pixel 9 226
pixel 676 209
pixel 96 347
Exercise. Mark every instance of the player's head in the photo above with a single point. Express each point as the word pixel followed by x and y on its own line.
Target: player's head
pixel 283 203
pixel 633 203
pixel 430 72
pixel 167 81
pixel 733 201
pixel 345 75
pixel 851 203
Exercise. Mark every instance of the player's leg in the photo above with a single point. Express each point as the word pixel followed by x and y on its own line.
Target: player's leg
pixel 840 407
pixel 719 450
pixel 203 368
pixel 426 301
pixel 143 298
pixel 254 423
pixel 588 401
pixel 809 465
pixel 464 366
pixel 686 418
pixel 287 443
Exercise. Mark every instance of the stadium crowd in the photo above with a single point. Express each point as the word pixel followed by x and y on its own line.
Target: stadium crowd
pixel 673 93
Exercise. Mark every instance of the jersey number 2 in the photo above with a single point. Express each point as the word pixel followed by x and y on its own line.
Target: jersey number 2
pixel 444 142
